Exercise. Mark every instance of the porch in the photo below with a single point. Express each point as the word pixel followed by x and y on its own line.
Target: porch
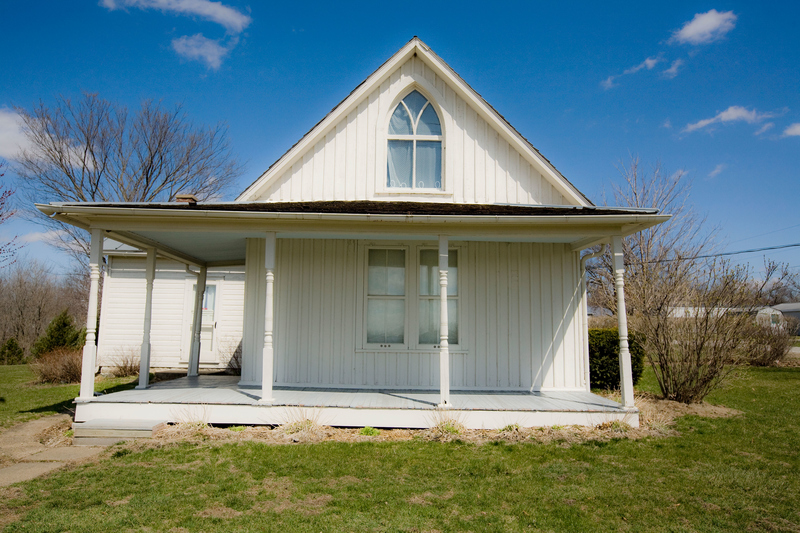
pixel 221 400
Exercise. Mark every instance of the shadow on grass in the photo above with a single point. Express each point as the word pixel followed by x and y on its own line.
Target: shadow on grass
pixel 66 406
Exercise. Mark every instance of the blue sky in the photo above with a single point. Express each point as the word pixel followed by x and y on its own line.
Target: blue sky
pixel 709 87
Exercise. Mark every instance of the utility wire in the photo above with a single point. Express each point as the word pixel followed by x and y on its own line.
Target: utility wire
pixel 721 254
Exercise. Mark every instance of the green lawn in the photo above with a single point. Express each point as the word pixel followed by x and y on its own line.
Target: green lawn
pixel 21 399
pixel 733 474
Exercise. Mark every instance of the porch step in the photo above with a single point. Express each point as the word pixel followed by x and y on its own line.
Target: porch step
pixel 106 431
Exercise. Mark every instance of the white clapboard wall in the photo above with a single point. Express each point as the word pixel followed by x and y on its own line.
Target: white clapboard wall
pixel 349 163
pixel 519 305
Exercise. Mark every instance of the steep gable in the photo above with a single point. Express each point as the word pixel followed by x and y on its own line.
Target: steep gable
pixel 344 157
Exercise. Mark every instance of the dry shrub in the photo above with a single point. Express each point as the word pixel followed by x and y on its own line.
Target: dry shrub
pixel 61 365
pixel 768 344
pixel 126 363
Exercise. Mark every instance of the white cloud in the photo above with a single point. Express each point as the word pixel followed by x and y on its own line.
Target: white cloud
pixel 12 134
pixel 648 63
pixel 717 169
pixel 705 28
pixel 667 124
pixel 792 131
pixel 228 17
pixel 734 113
pixel 764 128
pixel 202 49
pixel 672 71
pixel 608 83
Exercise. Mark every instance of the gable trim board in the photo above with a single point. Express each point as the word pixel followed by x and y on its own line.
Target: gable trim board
pixel 413 49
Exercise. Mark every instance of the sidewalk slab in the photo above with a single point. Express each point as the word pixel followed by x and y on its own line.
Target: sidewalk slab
pixel 25 471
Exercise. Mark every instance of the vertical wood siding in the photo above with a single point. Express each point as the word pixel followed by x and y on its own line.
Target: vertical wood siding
pixel 520 318
pixel 479 165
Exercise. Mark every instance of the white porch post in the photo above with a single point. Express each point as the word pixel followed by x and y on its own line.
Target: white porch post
pixel 444 350
pixel 90 348
pixel 625 372
pixel 197 322
pixel 268 354
pixel 144 360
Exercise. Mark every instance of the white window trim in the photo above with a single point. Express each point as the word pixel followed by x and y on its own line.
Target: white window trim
pixel 412 298
pixel 382 138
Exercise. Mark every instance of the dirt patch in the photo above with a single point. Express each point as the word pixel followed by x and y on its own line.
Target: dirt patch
pixel 117 503
pixel 57 435
pixel 7 515
pixel 219 511
pixel 426 498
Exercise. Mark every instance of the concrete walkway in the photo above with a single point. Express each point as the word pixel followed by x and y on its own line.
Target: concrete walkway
pixel 30 457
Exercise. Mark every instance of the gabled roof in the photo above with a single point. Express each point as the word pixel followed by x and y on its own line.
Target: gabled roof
pixel 416 47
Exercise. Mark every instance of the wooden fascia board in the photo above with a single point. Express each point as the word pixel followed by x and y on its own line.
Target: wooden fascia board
pixel 323 128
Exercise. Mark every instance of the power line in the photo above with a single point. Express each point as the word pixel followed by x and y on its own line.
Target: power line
pixel 722 254
pixel 767 233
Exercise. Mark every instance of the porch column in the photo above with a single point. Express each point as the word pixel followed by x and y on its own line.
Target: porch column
pixel 268 354
pixel 90 348
pixel 444 350
pixel 144 360
pixel 625 372
pixel 197 322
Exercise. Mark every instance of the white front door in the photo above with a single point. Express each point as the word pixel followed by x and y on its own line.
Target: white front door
pixel 208 340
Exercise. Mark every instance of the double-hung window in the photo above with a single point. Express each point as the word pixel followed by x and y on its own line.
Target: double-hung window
pixel 414 152
pixel 403 305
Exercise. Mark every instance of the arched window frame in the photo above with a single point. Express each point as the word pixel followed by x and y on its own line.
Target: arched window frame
pixel 415 138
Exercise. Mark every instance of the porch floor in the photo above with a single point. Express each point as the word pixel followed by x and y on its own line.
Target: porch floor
pixel 225 390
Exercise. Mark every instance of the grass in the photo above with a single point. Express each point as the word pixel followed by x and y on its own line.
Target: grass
pixel 22 399
pixel 733 474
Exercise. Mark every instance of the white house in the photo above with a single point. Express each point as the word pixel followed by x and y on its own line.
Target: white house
pixel 412 252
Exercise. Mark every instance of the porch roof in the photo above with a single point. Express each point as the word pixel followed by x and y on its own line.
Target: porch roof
pixel 214 233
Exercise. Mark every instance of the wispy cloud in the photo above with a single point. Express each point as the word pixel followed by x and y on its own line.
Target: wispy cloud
pixel 648 63
pixel 12 134
pixel 233 20
pixel 705 28
pixel 672 71
pixel 717 170
pixel 200 48
pixel 734 113
pixel 667 124
pixel 766 127
pixel 196 47
pixel 792 131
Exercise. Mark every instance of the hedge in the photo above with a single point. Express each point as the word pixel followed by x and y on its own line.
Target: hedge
pixel 604 358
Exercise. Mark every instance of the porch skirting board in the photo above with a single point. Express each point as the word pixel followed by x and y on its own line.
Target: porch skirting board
pixel 219 400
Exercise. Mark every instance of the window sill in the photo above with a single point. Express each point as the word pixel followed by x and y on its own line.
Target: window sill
pixel 413 193
pixel 433 351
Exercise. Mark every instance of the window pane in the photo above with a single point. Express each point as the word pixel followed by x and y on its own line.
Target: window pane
pixel 429 272
pixel 415 103
pixel 209 297
pixel 429 123
pixel 429 321
pixel 452 273
pixel 386 272
pixel 399 162
pixel 396 272
pixel 400 124
pixel 385 321
pixel 429 164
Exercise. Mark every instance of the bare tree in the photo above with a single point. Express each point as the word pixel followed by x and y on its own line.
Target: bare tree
pixel 683 237
pixel 10 248
pixel 94 150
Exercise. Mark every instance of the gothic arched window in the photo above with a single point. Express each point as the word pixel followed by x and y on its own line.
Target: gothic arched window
pixel 414 155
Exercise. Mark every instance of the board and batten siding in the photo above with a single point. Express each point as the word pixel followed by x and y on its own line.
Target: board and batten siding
pixel 122 312
pixel 349 162
pixel 520 326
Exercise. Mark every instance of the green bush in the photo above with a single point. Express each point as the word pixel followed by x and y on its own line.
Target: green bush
pixel 604 358
pixel 61 333
pixel 11 353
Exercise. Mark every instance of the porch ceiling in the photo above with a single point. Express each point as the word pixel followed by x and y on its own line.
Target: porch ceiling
pixel 214 234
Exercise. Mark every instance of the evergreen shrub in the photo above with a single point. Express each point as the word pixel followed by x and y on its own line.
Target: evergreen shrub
pixel 11 353
pixel 604 358
pixel 60 333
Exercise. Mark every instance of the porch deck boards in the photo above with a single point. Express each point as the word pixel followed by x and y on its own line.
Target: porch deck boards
pixel 224 390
